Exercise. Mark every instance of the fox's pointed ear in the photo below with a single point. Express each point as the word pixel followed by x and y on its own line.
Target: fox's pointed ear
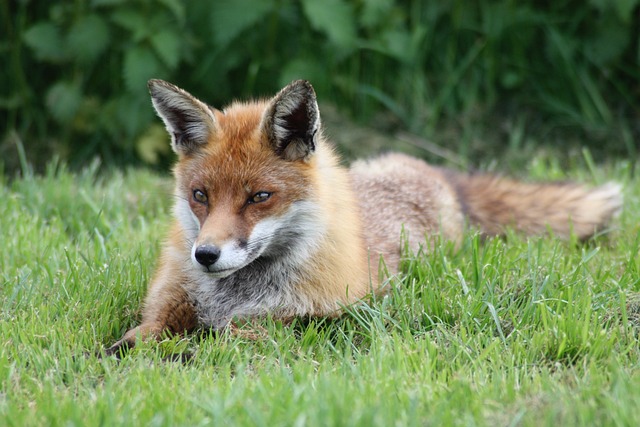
pixel 292 121
pixel 188 120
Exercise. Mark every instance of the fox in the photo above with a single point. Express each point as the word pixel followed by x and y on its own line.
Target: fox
pixel 268 222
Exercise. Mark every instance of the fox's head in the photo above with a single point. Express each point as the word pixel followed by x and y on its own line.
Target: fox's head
pixel 245 175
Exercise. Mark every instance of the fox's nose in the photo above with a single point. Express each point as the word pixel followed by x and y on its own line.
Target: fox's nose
pixel 207 254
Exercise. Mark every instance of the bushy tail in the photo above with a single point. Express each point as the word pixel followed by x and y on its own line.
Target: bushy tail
pixel 494 204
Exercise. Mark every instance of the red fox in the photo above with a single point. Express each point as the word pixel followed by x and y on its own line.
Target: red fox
pixel 266 221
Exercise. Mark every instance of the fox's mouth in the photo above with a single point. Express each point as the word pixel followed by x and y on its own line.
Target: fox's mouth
pixel 218 273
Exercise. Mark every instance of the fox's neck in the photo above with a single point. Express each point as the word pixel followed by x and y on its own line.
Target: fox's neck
pixel 337 270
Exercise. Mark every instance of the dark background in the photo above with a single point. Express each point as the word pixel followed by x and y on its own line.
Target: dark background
pixel 474 79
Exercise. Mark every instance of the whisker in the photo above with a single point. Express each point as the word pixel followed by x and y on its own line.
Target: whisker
pixel 178 196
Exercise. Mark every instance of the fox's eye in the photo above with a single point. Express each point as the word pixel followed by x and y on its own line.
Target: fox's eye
pixel 260 196
pixel 199 196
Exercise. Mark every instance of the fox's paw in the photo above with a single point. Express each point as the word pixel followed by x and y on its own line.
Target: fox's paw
pixel 128 341
pixel 118 349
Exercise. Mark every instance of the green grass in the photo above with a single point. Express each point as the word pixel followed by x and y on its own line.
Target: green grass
pixel 504 332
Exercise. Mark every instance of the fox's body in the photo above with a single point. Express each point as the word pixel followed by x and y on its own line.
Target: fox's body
pixel 266 221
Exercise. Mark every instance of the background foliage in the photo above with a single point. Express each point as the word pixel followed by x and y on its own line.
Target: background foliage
pixel 74 73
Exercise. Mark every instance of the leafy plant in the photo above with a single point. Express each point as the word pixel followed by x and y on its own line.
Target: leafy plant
pixel 75 74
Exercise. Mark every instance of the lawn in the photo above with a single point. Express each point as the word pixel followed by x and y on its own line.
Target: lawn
pixel 502 332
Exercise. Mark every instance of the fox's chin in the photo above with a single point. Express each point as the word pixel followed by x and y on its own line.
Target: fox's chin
pixel 216 272
pixel 219 274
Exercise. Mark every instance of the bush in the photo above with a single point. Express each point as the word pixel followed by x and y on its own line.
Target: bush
pixel 74 74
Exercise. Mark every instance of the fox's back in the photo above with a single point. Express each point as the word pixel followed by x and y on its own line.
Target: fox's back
pixel 401 194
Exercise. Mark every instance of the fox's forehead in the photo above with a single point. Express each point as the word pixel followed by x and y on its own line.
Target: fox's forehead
pixel 242 167
pixel 236 146
pixel 239 158
pixel 228 169
pixel 238 122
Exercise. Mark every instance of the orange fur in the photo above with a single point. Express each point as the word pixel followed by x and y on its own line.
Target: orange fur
pixel 302 234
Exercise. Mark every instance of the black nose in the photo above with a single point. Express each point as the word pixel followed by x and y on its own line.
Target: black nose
pixel 207 254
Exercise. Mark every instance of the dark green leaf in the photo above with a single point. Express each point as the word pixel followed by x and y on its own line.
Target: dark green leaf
pixel 335 18
pixel 177 9
pixel 609 40
pixel 63 101
pixel 398 45
pixel 88 38
pixel 375 13
pixel 11 102
pixel 128 19
pixel 134 113
pixel 229 18
pixel 167 45
pixel 45 40
pixel 625 9
pixel 140 65
pixel 106 2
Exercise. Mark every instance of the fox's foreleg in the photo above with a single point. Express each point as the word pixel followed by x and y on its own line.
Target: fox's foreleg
pixel 168 309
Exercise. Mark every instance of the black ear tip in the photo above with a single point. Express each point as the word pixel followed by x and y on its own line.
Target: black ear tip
pixel 302 86
pixel 153 83
pixel 156 84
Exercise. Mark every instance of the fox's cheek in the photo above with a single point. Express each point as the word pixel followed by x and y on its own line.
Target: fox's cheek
pixel 199 211
pixel 256 212
pixel 185 215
